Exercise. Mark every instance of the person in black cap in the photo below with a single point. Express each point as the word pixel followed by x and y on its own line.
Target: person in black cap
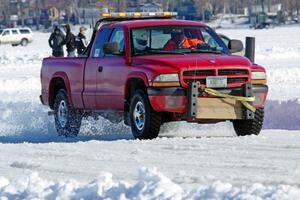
pixel 56 42
pixel 69 41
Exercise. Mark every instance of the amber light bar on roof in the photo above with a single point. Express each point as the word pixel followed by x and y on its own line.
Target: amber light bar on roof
pixel 139 14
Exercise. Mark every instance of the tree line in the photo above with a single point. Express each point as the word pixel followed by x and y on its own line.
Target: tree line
pixel 290 7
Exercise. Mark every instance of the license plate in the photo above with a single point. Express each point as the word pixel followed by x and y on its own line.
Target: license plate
pixel 216 81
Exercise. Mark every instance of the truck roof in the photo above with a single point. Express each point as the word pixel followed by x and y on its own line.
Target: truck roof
pixel 156 22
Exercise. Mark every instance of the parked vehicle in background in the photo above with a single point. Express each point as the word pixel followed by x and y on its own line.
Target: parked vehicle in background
pixel 16 36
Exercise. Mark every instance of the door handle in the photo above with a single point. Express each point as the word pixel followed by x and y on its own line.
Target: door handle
pixel 100 69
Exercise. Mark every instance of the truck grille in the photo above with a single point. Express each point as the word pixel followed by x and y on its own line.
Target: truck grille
pixel 201 81
pixel 199 73
pixel 236 80
pixel 223 72
pixel 234 76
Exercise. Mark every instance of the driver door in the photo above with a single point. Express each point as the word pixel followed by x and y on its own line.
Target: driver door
pixel 112 77
pixel 92 67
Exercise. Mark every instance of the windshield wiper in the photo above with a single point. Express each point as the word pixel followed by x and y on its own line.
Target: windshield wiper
pixel 206 51
pixel 158 52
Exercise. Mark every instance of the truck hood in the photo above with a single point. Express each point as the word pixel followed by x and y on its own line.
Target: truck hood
pixel 191 61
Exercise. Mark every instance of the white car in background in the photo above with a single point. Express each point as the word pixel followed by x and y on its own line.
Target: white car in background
pixel 16 36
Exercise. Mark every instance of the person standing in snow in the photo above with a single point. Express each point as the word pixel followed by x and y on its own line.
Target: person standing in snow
pixel 56 42
pixel 81 42
pixel 69 41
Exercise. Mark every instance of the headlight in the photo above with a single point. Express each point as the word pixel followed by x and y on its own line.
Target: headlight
pixel 166 80
pixel 259 76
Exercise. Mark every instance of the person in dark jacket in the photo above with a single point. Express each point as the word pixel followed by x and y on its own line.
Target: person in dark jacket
pixel 56 42
pixel 69 41
pixel 81 42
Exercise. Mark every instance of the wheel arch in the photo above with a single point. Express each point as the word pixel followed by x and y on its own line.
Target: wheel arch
pixel 134 82
pixel 59 81
pixel 24 39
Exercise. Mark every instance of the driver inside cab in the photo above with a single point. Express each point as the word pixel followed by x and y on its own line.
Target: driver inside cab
pixel 140 39
pixel 179 40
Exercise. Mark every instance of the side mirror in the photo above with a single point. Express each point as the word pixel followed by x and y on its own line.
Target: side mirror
pixel 111 48
pixel 235 46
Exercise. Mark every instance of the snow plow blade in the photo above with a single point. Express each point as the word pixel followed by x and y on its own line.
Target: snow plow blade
pixel 218 108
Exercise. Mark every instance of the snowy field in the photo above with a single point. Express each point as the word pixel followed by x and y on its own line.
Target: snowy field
pixel 187 161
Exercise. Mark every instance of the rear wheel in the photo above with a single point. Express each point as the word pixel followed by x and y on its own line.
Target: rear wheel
pixel 67 120
pixel 145 122
pixel 24 42
pixel 250 127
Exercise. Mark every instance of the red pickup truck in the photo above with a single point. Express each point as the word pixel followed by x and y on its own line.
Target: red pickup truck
pixel 153 70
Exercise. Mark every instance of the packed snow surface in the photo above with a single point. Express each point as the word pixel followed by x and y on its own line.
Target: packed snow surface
pixel 187 161
pixel 198 167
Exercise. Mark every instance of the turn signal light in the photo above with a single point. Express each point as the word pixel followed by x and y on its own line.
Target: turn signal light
pixel 166 84
pixel 259 82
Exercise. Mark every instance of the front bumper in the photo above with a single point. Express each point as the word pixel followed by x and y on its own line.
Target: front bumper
pixel 177 99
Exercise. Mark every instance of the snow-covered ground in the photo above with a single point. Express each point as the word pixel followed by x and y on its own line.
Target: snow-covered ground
pixel 187 161
pixel 201 168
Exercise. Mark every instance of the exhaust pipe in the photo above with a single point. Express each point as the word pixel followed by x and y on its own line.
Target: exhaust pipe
pixel 250 48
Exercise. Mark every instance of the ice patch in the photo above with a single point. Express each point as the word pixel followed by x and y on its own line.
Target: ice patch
pixel 23 165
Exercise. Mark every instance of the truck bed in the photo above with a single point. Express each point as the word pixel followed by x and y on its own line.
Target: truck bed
pixel 72 71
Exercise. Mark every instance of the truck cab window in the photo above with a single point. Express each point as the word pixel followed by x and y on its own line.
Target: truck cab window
pixel 118 36
pixel 102 37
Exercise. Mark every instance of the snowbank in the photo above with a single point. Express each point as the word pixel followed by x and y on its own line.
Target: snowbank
pixel 282 115
pixel 151 184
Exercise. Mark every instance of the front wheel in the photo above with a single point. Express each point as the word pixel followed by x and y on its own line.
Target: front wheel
pixel 145 122
pixel 67 120
pixel 250 127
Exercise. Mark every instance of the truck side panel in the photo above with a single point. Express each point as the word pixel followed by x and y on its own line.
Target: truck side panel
pixel 71 70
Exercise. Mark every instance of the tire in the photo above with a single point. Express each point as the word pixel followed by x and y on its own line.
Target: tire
pixel 24 42
pixel 250 127
pixel 145 123
pixel 67 120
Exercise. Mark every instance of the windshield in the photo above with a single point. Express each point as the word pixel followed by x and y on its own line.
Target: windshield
pixel 176 40
pixel 1 31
